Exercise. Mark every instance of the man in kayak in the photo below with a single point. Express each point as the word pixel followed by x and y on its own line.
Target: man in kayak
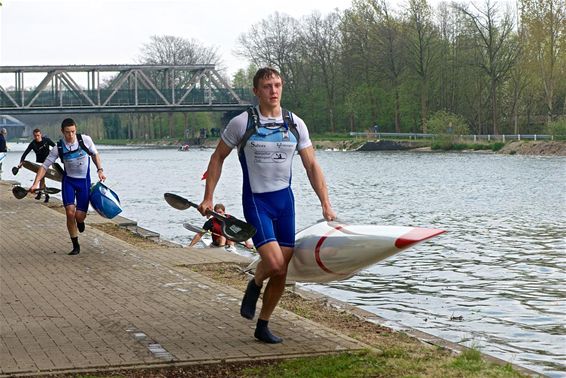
pixel 214 226
pixel 266 137
pixel 75 150
pixel 40 145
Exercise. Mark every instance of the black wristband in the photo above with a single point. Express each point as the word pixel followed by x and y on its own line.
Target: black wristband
pixel 100 170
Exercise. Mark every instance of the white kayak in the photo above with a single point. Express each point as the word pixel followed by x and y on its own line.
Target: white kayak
pixel 332 251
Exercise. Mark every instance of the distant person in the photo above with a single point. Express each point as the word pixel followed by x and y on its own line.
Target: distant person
pixel 41 146
pixel 75 151
pixel 267 137
pixel 3 146
pixel 214 226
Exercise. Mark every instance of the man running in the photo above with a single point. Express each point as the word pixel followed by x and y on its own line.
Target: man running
pixel 267 137
pixel 40 145
pixel 75 150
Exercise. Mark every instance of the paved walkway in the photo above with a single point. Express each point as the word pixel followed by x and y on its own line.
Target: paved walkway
pixel 119 306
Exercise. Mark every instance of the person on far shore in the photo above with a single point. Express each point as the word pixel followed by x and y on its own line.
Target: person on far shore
pixel 75 151
pixel 3 145
pixel 41 146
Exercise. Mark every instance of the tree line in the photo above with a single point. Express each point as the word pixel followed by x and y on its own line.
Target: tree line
pixel 501 70
pixel 495 70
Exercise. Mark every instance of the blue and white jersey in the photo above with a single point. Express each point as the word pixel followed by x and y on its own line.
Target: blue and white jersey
pixel 268 156
pixel 75 159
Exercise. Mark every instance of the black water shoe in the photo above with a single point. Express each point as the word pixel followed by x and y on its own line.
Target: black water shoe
pixel 247 309
pixel 262 333
pixel 46 198
pixel 81 226
pixel 76 250
pixel 38 196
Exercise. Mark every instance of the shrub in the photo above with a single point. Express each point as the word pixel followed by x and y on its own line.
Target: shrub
pixel 557 128
pixel 447 127
pixel 445 123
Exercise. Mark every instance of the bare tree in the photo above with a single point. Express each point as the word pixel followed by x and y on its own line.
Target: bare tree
pixel 170 50
pixel 273 42
pixel 422 36
pixel 321 37
pixel 391 45
pixel 543 24
pixel 496 46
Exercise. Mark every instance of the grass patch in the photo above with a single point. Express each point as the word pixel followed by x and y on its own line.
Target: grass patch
pixel 361 364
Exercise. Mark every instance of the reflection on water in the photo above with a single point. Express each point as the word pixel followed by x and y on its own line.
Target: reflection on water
pixel 500 268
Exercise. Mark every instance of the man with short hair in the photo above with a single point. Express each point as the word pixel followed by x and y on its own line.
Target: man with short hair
pixel 267 137
pixel 75 151
pixel 40 145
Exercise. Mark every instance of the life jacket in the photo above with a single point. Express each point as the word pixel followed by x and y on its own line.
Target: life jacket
pixel 216 229
pixel 254 125
pixel 81 145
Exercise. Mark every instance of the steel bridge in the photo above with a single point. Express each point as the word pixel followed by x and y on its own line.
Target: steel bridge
pixel 117 89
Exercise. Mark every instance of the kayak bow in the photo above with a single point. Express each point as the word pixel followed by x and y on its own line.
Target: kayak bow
pixel 331 251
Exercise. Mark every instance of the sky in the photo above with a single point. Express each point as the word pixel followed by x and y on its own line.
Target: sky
pixel 65 32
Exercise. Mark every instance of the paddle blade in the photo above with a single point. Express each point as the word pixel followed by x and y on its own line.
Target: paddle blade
pixel 192 228
pixel 178 202
pixel 19 192
pixel 15 170
pixel 237 230
pixel 50 190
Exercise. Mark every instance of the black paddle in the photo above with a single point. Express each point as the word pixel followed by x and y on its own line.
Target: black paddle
pixel 15 170
pixel 232 227
pixel 199 230
pixel 20 192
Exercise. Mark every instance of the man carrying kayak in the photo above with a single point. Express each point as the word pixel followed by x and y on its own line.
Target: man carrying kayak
pixel 76 151
pixel 266 137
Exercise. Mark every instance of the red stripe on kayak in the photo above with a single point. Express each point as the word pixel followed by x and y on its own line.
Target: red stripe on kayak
pixel 416 235
pixel 317 250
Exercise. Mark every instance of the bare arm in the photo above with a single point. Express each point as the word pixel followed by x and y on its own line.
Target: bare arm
pixel 196 239
pixel 214 171
pixel 318 183
pixel 40 174
pixel 98 163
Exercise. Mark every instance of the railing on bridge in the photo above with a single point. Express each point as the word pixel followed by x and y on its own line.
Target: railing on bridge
pixel 117 88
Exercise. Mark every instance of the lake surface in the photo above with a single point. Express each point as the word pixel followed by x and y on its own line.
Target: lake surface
pixel 501 266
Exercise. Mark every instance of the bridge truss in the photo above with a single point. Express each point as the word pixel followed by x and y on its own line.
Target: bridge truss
pixel 116 89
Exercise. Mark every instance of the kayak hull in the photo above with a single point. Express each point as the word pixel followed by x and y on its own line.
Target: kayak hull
pixel 51 173
pixel 332 251
pixel 104 200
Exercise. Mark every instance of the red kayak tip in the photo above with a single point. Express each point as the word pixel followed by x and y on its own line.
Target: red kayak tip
pixel 416 235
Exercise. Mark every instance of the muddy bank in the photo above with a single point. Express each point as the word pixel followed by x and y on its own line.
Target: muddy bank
pixel 544 148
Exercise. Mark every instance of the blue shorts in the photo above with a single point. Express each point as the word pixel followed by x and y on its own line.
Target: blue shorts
pixel 75 188
pixel 273 215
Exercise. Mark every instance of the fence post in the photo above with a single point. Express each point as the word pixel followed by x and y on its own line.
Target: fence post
pixel 519 137
pixel 503 138
pixel 535 137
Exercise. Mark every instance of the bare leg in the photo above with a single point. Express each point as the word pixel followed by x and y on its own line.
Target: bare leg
pixel 276 285
pixel 80 220
pixel 70 212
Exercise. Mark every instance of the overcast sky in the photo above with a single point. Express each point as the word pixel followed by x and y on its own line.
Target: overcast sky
pixel 61 32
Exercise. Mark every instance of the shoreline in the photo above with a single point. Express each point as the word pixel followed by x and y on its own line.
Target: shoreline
pixel 534 148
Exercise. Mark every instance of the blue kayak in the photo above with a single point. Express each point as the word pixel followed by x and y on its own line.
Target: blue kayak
pixel 104 200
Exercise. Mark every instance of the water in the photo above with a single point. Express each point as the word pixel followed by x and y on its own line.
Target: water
pixel 500 267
